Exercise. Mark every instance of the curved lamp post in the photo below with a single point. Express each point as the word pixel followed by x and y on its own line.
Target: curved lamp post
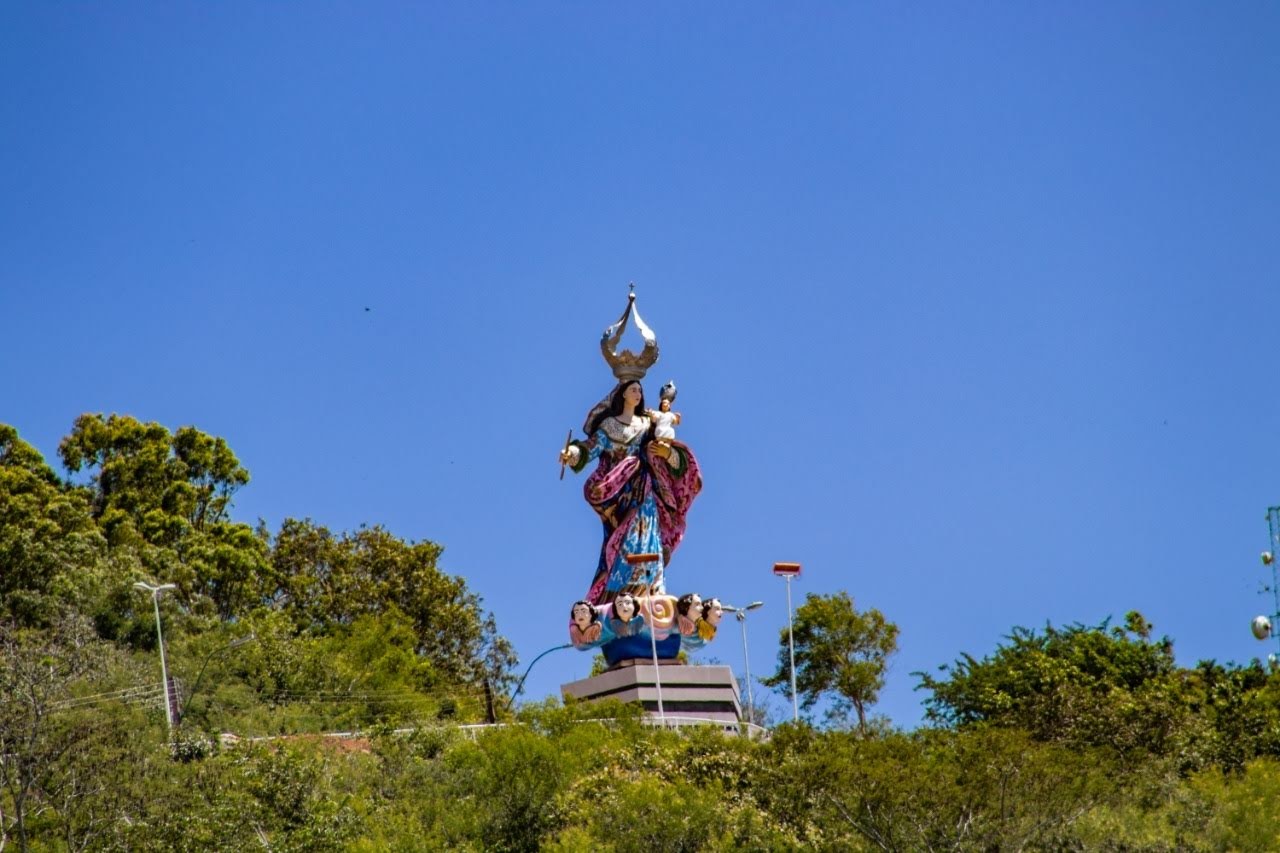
pixel 164 665
pixel 520 684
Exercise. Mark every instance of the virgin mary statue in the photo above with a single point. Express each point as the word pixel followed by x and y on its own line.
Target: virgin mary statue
pixel 641 488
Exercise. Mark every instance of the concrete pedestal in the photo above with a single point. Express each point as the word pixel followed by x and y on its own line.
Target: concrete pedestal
pixel 703 692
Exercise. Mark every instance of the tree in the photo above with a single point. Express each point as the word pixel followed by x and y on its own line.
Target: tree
pixel 840 652
pixel 322 579
pixel 50 549
pixel 138 468
pixel 932 789
pixel 165 498
pixel 61 750
pixel 1080 685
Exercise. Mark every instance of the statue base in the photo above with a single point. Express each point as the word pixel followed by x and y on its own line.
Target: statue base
pixel 689 693
pixel 629 648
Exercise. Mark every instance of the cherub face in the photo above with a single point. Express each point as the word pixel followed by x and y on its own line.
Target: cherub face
pixel 664 406
pixel 624 607
pixel 695 605
pixel 714 612
pixel 582 614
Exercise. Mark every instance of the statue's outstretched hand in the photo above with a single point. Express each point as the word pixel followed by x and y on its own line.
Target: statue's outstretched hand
pixel 569 456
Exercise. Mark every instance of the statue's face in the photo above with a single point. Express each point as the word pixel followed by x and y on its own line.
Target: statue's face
pixel 624 607
pixel 581 615
pixel 665 406
pixel 695 606
pixel 631 396
pixel 715 612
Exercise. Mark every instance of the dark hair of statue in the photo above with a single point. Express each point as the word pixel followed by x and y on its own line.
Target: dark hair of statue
pixel 684 603
pixel 595 617
pixel 616 403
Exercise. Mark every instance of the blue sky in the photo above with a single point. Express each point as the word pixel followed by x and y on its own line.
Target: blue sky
pixel 972 306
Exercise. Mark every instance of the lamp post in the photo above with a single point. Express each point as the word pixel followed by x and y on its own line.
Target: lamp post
pixel 789 571
pixel 741 614
pixel 164 665
pixel 520 685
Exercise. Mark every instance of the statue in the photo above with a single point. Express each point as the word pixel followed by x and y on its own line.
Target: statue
pixel 625 621
pixel 664 420
pixel 641 488
pixel 584 624
pixel 688 610
pixel 712 613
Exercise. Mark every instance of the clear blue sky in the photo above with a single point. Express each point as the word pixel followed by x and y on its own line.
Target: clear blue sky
pixel 973 307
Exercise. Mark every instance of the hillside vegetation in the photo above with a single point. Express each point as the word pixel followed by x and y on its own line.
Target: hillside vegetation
pixel 1079 737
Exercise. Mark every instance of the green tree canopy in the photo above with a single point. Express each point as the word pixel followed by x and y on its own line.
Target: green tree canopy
pixel 320 578
pixel 1079 684
pixel 841 653
pixel 141 468
pixel 50 549
pixel 164 498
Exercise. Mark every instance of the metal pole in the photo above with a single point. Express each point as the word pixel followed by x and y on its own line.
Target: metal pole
pixel 746 663
pixel 520 685
pixel 164 664
pixel 1273 528
pixel 791 643
pixel 653 642
pixel 648 560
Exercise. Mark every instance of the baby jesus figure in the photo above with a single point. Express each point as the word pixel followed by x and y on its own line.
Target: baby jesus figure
pixel 664 421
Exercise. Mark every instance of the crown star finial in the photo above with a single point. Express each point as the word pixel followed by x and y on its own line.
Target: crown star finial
pixel 627 365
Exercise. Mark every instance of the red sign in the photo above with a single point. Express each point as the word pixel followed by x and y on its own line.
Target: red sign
pixel 786 570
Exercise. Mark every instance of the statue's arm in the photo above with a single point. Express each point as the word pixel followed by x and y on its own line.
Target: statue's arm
pixel 579 453
pixel 676 456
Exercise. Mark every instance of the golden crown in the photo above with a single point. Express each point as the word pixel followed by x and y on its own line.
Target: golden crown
pixel 627 365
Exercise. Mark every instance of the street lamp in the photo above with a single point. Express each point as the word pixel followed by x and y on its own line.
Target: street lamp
pixel 520 686
pixel 164 665
pixel 789 571
pixel 741 614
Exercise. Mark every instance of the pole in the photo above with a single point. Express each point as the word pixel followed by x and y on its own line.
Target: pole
pixel 653 642
pixel 791 644
pixel 1273 529
pixel 647 560
pixel 741 614
pixel 164 664
pixel 746 663
pixel 490 716
pixel 520 685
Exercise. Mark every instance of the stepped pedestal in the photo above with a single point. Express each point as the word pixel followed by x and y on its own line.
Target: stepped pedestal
pixel 703 692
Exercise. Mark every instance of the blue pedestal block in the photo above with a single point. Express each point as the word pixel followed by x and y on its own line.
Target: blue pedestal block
pixel 640 647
